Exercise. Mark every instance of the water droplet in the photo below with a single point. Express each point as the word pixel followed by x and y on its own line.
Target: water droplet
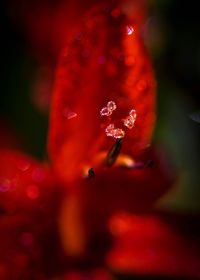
pixel 118 133
pixel 111 106
pixel 110 130
pixel 130 120
pixel 129 30
pixel 105 112
pixel 133 113
pixel 33 191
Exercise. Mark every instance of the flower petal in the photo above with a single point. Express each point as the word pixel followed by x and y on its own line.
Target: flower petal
pixel 29 202
pixel 24 183
pixel 159 245
pixel 104 62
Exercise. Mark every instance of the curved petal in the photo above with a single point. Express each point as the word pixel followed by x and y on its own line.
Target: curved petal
pixel 106 61
pixel 159 244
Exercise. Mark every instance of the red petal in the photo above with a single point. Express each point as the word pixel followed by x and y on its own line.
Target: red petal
pixel 159 245
pixel 28 218
pixel 86 211
pixel 14 243
pixel 49 24
pixel 102 63
pixel 24 183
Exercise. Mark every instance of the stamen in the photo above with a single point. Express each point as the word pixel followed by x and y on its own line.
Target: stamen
pixel 113 153
pixel 91 173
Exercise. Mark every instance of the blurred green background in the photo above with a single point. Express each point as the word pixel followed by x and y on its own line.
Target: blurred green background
pixel 172 36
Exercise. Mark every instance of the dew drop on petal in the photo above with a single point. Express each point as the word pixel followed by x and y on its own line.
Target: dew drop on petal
pixel 129 122
pixel 111 106
pixel 118 133
pixel 129 30
pixel 133 113
pixel 105 112
pixel 110 130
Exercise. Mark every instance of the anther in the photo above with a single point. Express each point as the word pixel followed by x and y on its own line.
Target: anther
pixel 113 153
pixel 91 173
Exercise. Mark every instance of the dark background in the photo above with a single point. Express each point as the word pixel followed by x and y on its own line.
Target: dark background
pixel 172 36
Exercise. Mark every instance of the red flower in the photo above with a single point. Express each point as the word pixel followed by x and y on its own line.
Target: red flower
pixel 118 69
pixel 102 118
